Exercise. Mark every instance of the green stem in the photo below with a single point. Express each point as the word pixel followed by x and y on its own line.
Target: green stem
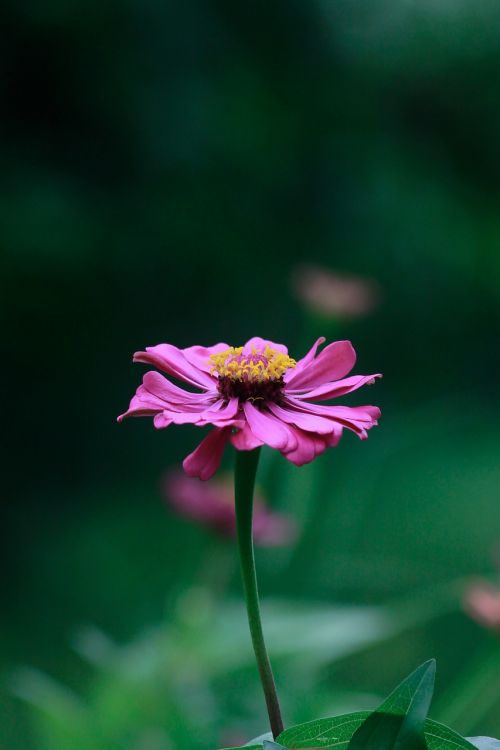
pixel 244 481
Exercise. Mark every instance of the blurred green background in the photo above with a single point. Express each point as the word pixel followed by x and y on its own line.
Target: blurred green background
pixel 166 168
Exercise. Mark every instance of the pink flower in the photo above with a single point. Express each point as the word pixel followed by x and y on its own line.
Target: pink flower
pixel 212 504
pixel 482 603
pixel 333 294
pixel 253 395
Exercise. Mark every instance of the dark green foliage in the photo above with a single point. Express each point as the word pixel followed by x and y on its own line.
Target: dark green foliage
pixel 398 723
pixel 164 168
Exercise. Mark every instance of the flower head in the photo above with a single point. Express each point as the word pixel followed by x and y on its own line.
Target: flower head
pixel 335 295
pixel 212 504
pixel 482 602
pixel 253 395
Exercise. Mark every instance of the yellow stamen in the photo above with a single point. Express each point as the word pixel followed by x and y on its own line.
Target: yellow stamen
pixel 268 364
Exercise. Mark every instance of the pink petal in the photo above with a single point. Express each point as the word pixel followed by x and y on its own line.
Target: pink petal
pixel 257 343
pixel 236 423
pixel 143 404
pixel 268 429
pixel 334 439
pixel 161 421
pixel 272 529
pixel 306 421
pixel 198 414
pixel 301 363
pixel 322 410
pixel 163 389
pixel 221 410
pixel 368 414
pixel 245 440
pixel 204 461
pixel 308 447
pixel 171 360
pixel 355 418
pixel 209 503
pixel 335 361
pixel 199 356
pixel 184 417
pixel 188 409
pixel 337 388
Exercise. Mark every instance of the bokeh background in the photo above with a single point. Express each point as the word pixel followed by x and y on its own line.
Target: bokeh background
pixel 167 171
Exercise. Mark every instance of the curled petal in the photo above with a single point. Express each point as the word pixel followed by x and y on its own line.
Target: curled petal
pixel 359 419
pixel 184 417
pixel 245 440
pixel 333 363
pixel 358 413
pixel 267 428
pixel 199 356
pixel 368 414
pixel 305 421
pixel 309 445
pixel 175 405
pixel 334 438
pixel 172 360
pixel 336 388
pixel 257 343
pixel 204 461
pixel 163 389
pixel 161 421
pixel 221 410
pixel 301 363
pixel 143 404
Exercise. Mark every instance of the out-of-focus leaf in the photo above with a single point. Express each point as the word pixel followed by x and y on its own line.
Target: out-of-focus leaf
pixel 63 719
pixel 221 643
pixel 485 743
pixel 48 694
pixel 474 694
pixel 325 633
pixel 398 724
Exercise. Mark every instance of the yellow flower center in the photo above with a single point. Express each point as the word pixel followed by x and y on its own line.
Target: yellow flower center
pixel 256 367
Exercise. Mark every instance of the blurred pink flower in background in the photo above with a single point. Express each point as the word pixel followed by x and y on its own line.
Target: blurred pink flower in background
pixel 482 602
pixel 254 395
pixel 212 504
pixel 335 295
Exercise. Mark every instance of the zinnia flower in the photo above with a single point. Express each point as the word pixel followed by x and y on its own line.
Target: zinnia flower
pixel 333 294
pixel 482 603
pixel 212 504
pixel 253 395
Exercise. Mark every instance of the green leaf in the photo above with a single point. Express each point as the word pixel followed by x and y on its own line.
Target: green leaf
pixel 323 733
pixel 260 739
pixel 336 732
pixel 440 737
pixel 398 724
pixel 264 744
pixel 257 743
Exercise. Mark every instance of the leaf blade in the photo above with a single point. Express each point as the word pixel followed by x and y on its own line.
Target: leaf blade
pixel 336 732
pixel 485 743
pixel 398 723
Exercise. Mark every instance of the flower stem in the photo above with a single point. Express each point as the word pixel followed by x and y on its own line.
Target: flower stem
pixel 244 481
